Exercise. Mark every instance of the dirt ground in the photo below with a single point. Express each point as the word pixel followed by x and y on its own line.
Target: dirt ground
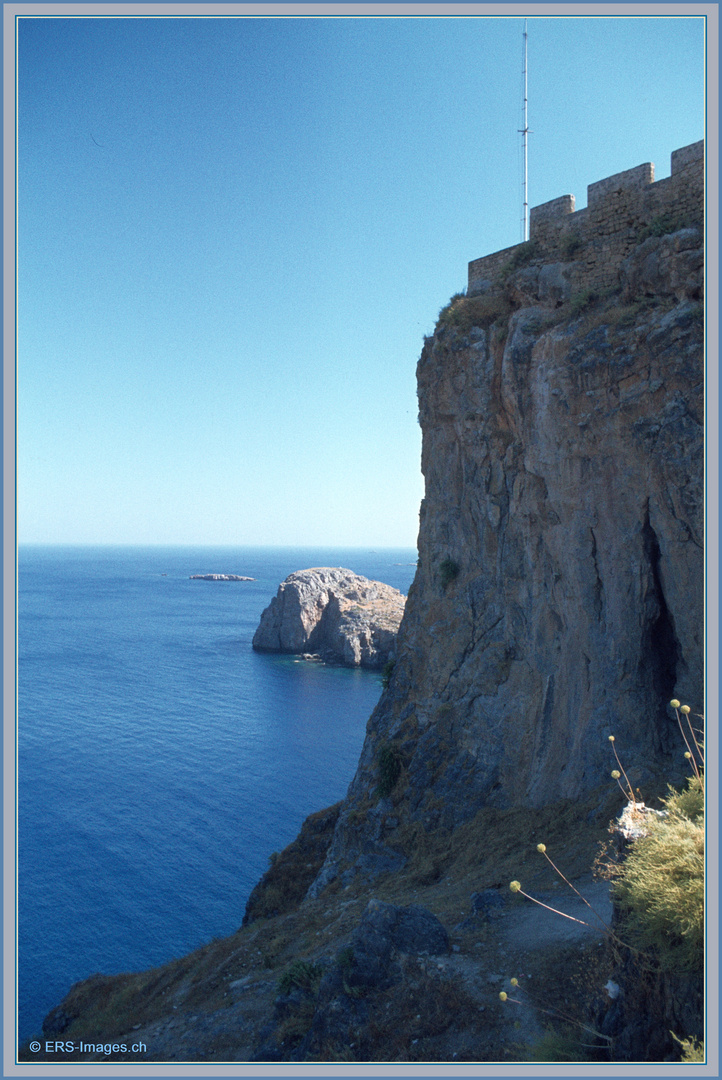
pixel 218 1003
pixel 546 952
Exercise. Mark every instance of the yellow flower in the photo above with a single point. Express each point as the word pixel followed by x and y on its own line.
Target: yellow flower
pixel 515 886
pixel 611 738
pixel 514 982
pixel 674 703
pixel 541 847
pixel 687 754
pixel 502 996
pixel 615 774
pixel 684 709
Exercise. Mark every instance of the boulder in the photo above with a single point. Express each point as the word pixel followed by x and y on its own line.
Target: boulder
pixel 343 617
pixel 386 930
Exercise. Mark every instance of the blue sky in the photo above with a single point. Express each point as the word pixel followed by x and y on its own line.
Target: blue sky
pixel 235 232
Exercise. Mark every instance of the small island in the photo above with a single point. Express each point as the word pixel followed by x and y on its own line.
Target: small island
pixel 335 615
pixel 220 577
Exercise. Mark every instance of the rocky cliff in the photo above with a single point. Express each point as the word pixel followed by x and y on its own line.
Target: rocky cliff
pixel 558 600
pixel 334 613
pixel 559 595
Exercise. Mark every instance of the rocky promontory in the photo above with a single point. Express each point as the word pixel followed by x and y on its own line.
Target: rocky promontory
pixel 332 612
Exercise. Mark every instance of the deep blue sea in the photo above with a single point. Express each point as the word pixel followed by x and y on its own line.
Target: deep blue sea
pixel 160 760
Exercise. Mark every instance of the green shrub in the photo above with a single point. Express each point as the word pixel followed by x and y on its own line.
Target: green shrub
pixel 387 672
pixel 627 314
pixel 301 975
pixel 557 1045
pixel 692 1050
pixel 663 225
pixel 449 570
pixel 660 888
pixel 523 255
pixel 389 765
pixel 570 244
pixel 582 300
pixel 688 803
pixel 447 309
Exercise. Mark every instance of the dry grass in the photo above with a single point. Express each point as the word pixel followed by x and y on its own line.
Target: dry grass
pixel 660 886
pixel 494 848
pixel 464 312
pixel 286 882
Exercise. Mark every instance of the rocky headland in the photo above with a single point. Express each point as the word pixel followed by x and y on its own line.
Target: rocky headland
pixel 333 613
pixel 559 600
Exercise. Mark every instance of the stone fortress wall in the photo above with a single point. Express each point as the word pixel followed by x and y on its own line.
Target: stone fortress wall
pixel 598 238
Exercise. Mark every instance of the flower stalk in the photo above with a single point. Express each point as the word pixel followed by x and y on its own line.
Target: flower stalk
pixel 685 711
pixel 629 793
pixel 542 848
pixel 556 1014
pixel 516 888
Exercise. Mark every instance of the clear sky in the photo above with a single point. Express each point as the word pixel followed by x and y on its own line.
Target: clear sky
pixel 235 232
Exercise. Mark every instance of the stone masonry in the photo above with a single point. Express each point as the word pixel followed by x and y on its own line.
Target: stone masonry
pixel 596 239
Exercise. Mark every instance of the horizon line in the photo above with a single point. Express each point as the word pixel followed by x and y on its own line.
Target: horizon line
pixel 188 544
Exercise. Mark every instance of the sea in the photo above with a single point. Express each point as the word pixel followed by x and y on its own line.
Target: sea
pixel 160 760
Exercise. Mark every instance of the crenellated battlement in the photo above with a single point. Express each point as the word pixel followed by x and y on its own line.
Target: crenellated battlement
pixel 597 238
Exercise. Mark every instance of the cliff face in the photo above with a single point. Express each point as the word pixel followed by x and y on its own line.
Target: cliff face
pixel 559 595
pixel 558 600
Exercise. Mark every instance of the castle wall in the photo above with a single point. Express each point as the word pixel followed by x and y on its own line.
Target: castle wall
pixel 598 238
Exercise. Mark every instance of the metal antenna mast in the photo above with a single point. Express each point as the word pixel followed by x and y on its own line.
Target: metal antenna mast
pixel 524 133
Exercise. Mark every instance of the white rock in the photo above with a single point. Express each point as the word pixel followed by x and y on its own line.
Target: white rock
pixel 335 613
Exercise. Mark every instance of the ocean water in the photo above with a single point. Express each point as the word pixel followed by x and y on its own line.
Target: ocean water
pixel 160 760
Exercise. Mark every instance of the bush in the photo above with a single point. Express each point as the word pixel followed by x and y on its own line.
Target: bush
pixel 463 312
pixel 387 672
pixel 581 301
pixel 570 244
pixel 524 254
pixel 692 1050
pixel 389 769
pixel 660 887
pixel 301 975
pixel 688 803
pixel 663 225
pixel 445 312
pixel 449 570
pixel 627 314
pixel 557 1046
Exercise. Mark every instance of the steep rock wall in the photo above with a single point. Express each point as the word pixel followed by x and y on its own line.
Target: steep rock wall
pixel 559 595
